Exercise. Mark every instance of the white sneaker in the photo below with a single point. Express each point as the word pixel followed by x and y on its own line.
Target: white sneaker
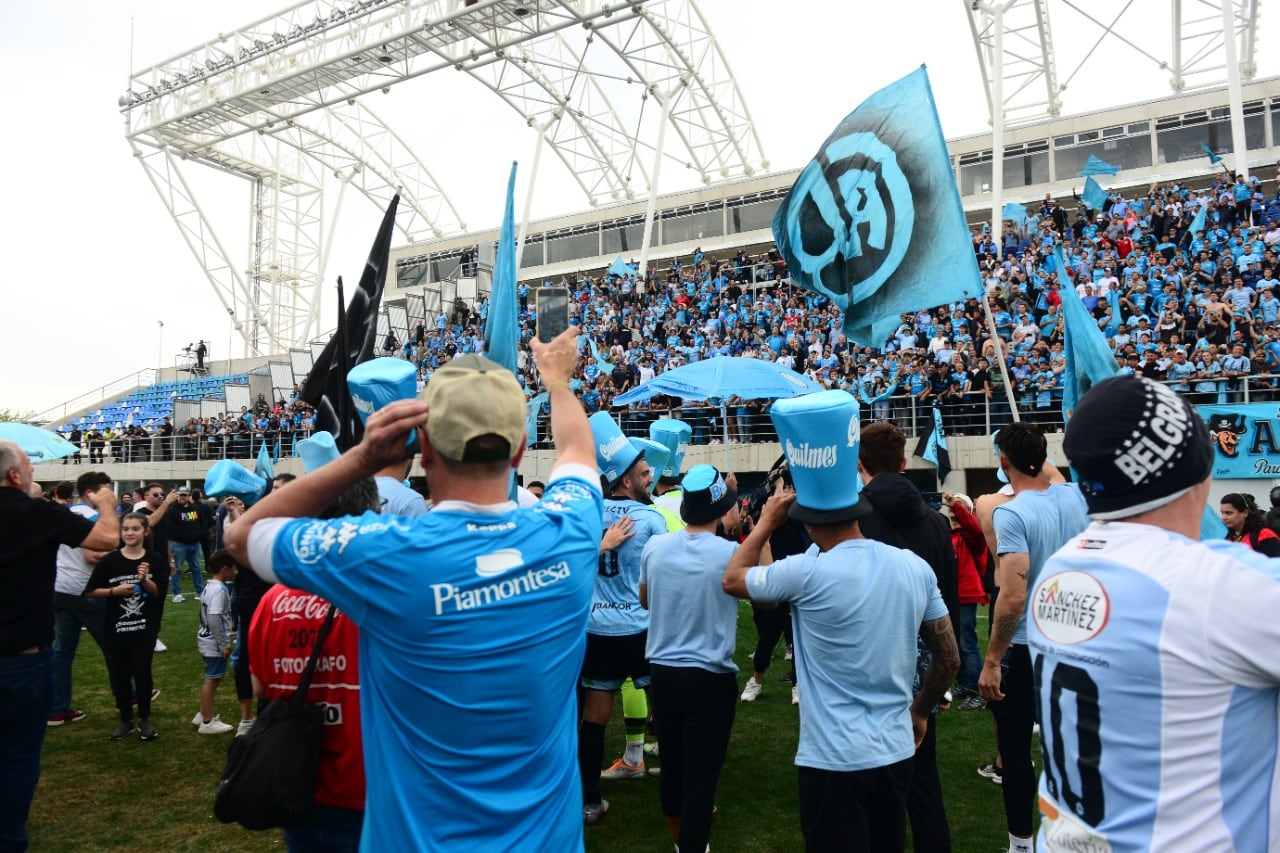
pixel 178 599
pixel 160 646
pixel 795 695
pixel 215 727
pixel 790 655
pixel 752 690
pixel 198 719
pixel 244 727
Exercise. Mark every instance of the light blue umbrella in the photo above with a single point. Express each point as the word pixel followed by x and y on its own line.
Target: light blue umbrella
pixel 717 379
pixel 40 445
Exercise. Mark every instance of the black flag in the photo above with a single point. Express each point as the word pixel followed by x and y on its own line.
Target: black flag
pixel 351 344
pixel 932 446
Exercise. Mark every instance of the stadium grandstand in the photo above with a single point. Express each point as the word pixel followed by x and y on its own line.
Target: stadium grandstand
pixel 715 285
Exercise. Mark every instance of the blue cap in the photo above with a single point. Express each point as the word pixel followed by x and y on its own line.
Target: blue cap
pixel 227 477
pixel 614 453
pixel 819 434
pixel 375 383
pixel 655 453
pixel 675 436
pixel 317 451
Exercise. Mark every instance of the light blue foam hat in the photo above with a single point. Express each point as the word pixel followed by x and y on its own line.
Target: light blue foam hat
pixel 614 453
pixel 655 453
pixel 317 451
pixel 675 436
pixel 820 435
pixel 227 477
pixel 376 383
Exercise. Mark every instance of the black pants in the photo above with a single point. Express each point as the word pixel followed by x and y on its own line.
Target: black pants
pixel 693 713
pixel 929 830
pixel 854 810
pixel 770 625
pixel 1015 718
pixel 131 676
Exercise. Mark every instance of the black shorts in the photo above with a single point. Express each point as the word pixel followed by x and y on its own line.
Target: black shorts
pixel 611 660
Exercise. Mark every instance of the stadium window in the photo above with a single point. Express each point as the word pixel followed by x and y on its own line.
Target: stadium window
pixel 412 274
pixel 752 217
pixel 572 247
pixel 531 256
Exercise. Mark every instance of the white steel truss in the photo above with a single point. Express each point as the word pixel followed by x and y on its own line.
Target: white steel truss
pixel 1033 84
pixel 279 103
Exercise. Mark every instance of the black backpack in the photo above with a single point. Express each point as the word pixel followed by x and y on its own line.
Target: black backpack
pixel 271 772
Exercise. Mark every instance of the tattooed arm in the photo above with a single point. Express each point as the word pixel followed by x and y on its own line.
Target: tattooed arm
pixel 943 666
pixel 1011 576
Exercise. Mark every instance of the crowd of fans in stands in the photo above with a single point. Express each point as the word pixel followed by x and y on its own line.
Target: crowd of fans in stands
pixel 1196 310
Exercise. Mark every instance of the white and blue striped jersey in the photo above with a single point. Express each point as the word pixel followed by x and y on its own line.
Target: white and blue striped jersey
pixel 1157 661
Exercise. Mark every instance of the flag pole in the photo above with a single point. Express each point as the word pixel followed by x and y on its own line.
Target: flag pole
pixel 998 345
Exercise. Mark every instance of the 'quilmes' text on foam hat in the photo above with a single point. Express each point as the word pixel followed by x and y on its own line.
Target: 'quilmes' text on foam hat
pixel 675 436
pixel 655 453
pixel 614 453
pixel 226 477
pixel 317 451
pixel 375 383
pixel 820 435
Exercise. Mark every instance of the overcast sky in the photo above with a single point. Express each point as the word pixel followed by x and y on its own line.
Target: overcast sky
pixel 93 263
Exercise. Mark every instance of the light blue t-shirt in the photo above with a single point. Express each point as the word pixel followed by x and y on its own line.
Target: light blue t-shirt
pixel 692 620
pixel 399 499
pixel 1156 675
pixel 856 610
pixel 1037 524
pixel 461 753
pixel 615 603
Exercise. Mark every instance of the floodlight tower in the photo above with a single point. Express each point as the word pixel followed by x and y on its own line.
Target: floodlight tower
pixel 281 104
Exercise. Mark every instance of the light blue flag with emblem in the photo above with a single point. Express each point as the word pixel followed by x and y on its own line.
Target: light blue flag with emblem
pixel 1197 223
pixel 263 467
pixel 532 408
pixel 620 268
pixel 1089 358
pixel 501 332
pixel 1095 165
pixel 1014 211
pixel 1214 157
pixel 1094 196
pixel 501 336
pixel 932 446
pixel 874 222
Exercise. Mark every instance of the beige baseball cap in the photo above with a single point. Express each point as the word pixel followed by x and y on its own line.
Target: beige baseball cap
pixel 470 397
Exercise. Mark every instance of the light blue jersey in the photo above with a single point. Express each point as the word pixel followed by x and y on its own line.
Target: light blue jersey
pixel 615 603
pixel 856 610
pixel 399 499
pixel 1037 524
pixel 472 633
pixel 692 620
pixel 1157 660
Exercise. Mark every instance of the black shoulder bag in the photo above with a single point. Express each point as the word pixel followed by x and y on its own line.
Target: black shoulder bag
pixel 271 772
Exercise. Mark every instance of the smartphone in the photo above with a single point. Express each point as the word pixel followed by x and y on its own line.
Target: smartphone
pixel 552 304
pixel 933 499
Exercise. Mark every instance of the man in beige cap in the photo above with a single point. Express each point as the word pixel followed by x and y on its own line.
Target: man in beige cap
pixel 458 752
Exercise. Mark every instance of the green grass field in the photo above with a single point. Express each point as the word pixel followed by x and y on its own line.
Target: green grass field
pixel 97 794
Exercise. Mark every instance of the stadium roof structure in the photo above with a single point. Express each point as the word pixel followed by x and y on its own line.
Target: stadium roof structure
pixel 282 103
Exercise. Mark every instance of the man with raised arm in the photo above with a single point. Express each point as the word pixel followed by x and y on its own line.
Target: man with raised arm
pixel 857 605
pixel 459 754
